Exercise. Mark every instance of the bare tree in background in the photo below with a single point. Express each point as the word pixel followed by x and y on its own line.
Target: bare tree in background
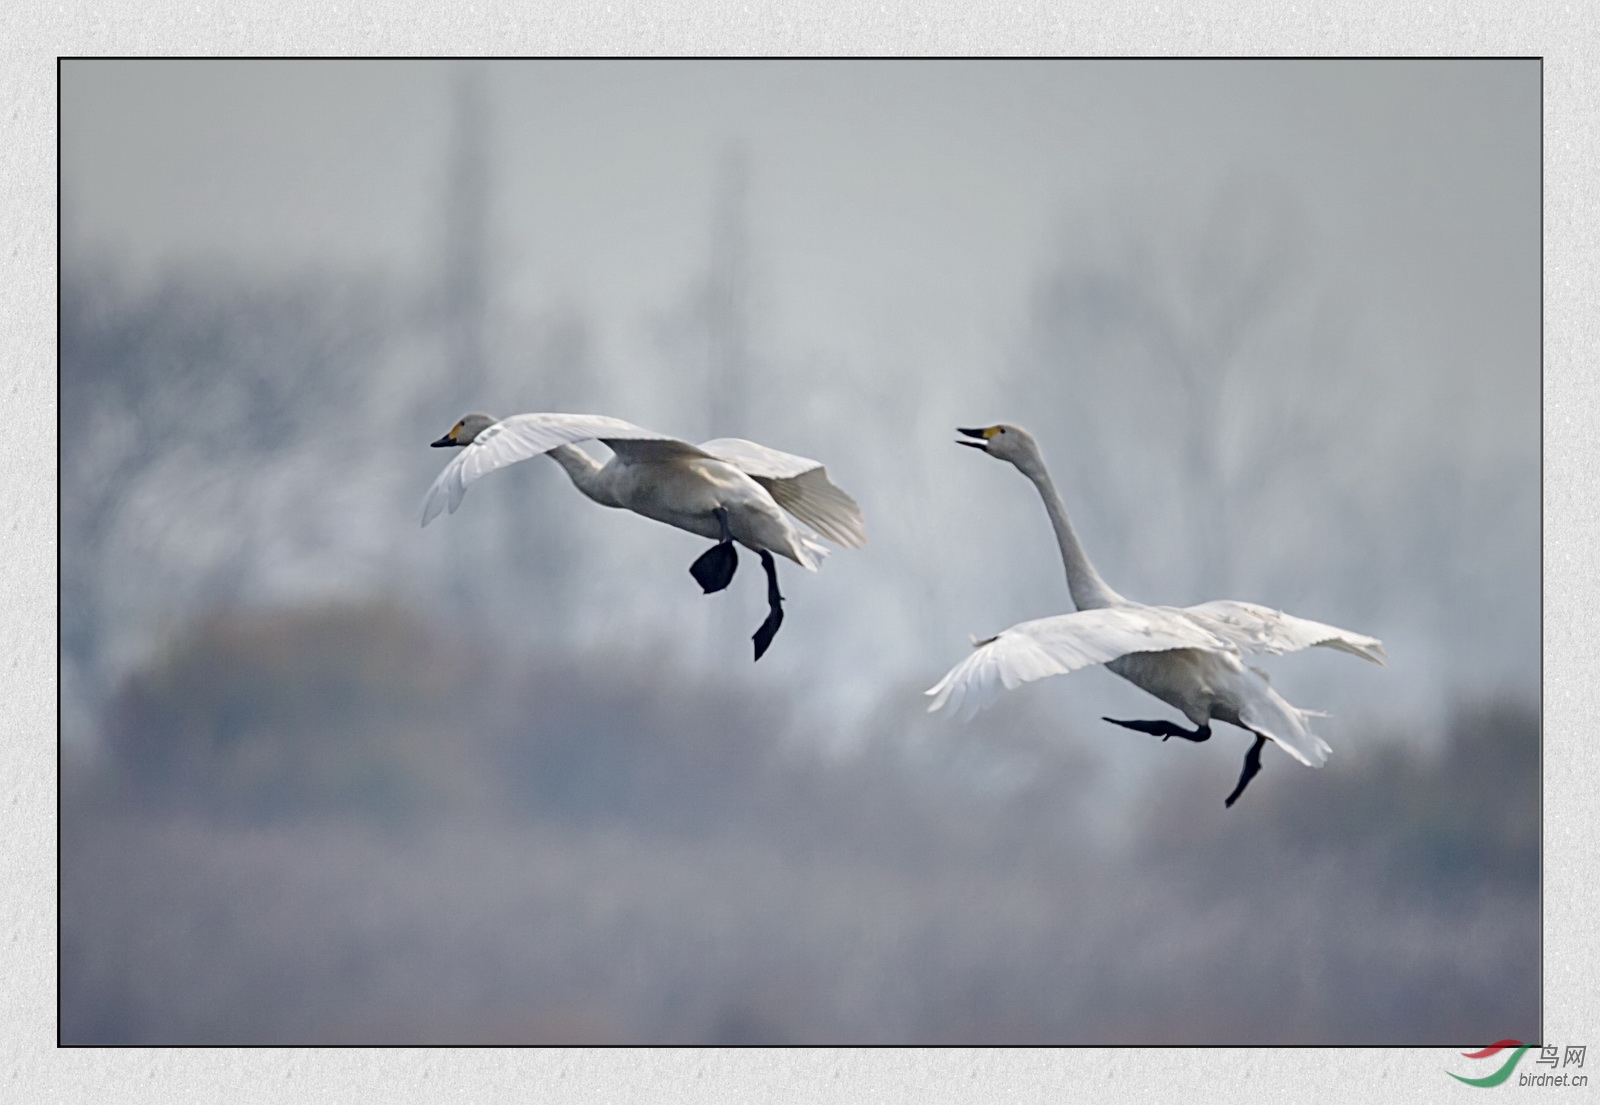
pixel 706 339
pixel 728 346
pixel 464 275
pixel 1189 372
pixel 539 367
pixel 462 293
pixel 727 303
pixel 1224 428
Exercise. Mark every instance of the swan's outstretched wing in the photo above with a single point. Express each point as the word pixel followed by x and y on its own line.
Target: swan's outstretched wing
pixel 528 435
pixel 1256 628
pixel 1066 642
pixel 798 485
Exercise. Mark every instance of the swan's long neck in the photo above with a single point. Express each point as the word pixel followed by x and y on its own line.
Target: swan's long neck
pixel 586 473
pixel 1089 591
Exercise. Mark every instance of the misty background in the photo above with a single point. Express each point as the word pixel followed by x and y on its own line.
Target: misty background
pixel 328 777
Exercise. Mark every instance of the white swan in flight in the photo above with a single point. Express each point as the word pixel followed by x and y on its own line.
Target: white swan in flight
pixel 728 489
pixel 1189 658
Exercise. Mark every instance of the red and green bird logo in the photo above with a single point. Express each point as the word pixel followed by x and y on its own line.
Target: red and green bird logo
pixel 1500 1075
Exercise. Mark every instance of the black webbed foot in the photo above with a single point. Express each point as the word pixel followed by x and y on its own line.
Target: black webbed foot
pixel 713 570
pixel 1252 764
pixel 1164 729
pixel 769 628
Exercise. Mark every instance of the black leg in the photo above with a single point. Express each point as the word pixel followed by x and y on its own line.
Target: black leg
pixel 1252 764
pixel 1164 729
pixel 714 568
pixel 769 628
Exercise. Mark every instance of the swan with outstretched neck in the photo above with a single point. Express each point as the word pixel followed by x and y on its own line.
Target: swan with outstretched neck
pixel 728 490
pixel 1190 658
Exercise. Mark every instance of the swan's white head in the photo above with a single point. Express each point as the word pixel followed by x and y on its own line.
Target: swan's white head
pixel 1008 442
pixel 465 431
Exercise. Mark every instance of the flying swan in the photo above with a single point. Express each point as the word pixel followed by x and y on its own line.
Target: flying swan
pixel 727 490
pixel 1189 658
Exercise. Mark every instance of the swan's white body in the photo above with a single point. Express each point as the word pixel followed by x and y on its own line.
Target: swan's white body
pixel 666 479
pixel 1190 658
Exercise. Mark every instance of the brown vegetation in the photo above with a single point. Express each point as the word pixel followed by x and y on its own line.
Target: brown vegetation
pixel 338 825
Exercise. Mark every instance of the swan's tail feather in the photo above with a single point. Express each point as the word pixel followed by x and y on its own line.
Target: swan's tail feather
pixel 810 552
pixel 1287 726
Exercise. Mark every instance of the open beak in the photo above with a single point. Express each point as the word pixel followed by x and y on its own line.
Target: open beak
pixel 982 443
pixel 444 442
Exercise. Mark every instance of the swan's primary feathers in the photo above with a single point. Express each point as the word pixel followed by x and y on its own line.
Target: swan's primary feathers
pixel 798 485
pixel 1255 628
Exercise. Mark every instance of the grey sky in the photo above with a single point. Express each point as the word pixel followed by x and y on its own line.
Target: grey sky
pixel 902 203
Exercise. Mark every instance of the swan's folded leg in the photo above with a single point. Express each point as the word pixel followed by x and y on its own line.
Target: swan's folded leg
pixel 1164 729
pixel 1252 764
pixel 713 569
pixel 769 628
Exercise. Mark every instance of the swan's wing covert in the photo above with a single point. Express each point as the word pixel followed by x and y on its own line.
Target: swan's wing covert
pixel 799 485
pixel 528 435
pixel 1066 642
pixel 1256 628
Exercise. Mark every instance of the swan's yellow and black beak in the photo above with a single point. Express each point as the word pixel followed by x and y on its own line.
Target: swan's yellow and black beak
pixel 448 439
pixel 985 434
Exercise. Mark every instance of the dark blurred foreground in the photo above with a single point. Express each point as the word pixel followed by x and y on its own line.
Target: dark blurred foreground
pixel 341 825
